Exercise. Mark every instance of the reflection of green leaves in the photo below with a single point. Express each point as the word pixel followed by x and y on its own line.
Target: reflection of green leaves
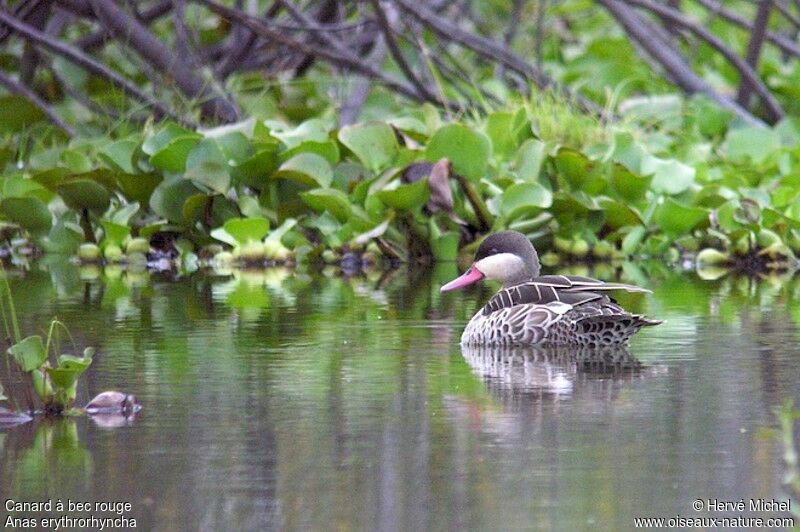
pixel 29 353
pixel 374 143
pixel 468 150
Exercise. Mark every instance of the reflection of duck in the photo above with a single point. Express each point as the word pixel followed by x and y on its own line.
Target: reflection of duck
pixel 549 309
pixel 547 368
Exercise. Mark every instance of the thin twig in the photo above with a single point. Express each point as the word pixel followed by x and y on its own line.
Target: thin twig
pixel 79 58
pixel 490 49
pixel 397 54
pixel 671 60
pixel 138 37
pixel 14 86
pixel 780 41
pixel 754 50
pixel 745 69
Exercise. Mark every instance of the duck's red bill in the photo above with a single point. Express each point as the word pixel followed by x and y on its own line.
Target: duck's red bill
pixel 471 276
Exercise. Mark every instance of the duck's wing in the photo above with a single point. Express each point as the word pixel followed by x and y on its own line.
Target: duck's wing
pixel 577 283
pixel 570 289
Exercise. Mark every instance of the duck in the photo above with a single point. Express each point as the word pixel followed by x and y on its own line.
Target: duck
pixel 542 309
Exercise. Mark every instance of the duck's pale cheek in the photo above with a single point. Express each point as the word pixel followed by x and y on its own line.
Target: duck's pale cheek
pixel 501 266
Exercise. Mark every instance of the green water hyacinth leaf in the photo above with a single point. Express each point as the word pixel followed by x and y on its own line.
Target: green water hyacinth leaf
pixel 29 353
pixel 328 150
pixel 19 187
pixel 206 164
pixel 50 178
pixel 374 143
pixel 18 113
pixel 115 233
pixel 445 247
pixel 64 238
pixel 2 395
pixel 669 176
pixel 255 171
pixel 506 131
pixel 30 213
pixel 235 146
pixel 754 143
pixel 169 197
pixel 138 187
pixel 172 157
pixel 407 197
pixel 194 207
pixel 524 199
pixel 308 169
pixel 530 157
pixel 211 174
pixel 314 130
pixel 468 150
pixel 332 200
pixel 76 161
pixel 629 185
pixel 81 193
pixel 574 166
pixel 677 219
pixel 119 155
pixel 245 230
pixel 155 143
pixel 619 214
pixel 69 368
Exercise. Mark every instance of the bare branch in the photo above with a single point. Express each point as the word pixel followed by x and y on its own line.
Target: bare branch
pixel 754 50
pixel 347 61
pixel 397 54
pixel 672 61
pixel 147 45
pixel 79 58
pixel 786 45
pixel 745 69
pixel 16 87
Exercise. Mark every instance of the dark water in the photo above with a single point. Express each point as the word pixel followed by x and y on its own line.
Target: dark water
pixel 295 401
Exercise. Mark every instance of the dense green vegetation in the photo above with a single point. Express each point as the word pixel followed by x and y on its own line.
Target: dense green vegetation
pixel 671 177
pixel 630 167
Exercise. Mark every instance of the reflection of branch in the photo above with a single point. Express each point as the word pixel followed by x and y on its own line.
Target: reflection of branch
pixel 18 88
pixel 79 58
pixel 670 59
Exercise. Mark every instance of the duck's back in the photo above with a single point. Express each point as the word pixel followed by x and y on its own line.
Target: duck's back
pixel 555 309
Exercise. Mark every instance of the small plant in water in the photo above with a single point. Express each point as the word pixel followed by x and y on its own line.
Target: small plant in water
pixel 54 379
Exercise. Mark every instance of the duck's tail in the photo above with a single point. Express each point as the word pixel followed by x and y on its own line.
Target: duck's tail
pixel 611 329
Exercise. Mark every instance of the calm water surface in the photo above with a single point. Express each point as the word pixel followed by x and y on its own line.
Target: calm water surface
pixel 274 400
